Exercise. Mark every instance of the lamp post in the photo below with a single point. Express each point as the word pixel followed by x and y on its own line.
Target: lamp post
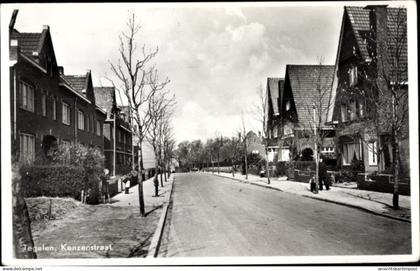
pixel 316 151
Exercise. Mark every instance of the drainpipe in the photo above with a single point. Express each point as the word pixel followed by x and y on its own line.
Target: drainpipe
pixel 114 146
pixel 14 103
pixel 76 120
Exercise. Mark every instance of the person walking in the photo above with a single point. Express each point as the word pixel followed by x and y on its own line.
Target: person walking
pixel 322 176
pixel 105 187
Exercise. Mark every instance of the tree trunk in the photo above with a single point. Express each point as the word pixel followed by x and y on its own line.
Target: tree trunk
pixel 233 169
pixel 246 164
pixel 164 173
pixel 22 234
pixel 142 178
pixel 161 176
pixel 395 197
pixel 267 165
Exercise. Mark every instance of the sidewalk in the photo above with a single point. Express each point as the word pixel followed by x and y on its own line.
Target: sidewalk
pixel 116 226
pixel 151 202
pixel 375 202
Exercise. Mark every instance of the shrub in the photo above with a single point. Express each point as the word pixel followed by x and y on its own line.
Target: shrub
pixel 52 181
pixel 281 168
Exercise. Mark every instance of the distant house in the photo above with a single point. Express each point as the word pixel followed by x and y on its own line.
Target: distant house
pixel 274 90
pixel 362 31
pixel 255 143
pixel 304 87
pixel 119 158
pixel 44 105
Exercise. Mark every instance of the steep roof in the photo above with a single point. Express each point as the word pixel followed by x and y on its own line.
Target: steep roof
pixel 78 82
pixel 273 84
pixel 396 23
pixel 305 80
pixel 28 42
pixel 105 97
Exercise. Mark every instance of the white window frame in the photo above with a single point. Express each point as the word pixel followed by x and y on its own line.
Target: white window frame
pixel 66 113
pixel 343 112
pixel 54 108
pixel 352 110
pixel 372 149
pixel 27 147
pixel 346 158
pixel 43 104
pixel 353 76
pixel 27 96
pixel 80 120
pixel 287 105
pixel 98 128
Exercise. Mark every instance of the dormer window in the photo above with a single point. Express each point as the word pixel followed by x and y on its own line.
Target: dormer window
pixel 353 76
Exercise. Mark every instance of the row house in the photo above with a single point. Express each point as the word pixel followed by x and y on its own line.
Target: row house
pixel 367 35
pixel 304 104
pixel 291 104
pixel 118 145
pixel 47 107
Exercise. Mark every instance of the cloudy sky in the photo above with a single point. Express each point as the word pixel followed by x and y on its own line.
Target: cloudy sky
pixel 216 56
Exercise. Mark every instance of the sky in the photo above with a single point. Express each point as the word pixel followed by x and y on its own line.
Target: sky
pixel 216 55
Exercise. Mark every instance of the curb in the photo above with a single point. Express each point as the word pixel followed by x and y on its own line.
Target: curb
pixel 321 199
pixel 157 236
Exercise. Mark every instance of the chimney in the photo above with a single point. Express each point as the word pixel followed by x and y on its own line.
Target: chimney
pixel 61 70
pixel 13 19
pixel 45 27
pixel 379 32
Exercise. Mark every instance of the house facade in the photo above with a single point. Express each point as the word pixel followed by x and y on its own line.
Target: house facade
pixel 360 85
pixel 274 89
pixel 43 104
pixel 304 87
pixel 118 139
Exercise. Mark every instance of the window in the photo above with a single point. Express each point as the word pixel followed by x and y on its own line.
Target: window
pixel 275 132
pixel 350 151
pixel 66 113
pixel 44 104
pixel 352 110
pixel 27 97
pixel 287 105
pixel 343 112
pixel 80 120
pixel 98 128
pixel 372 151
pixel 27 147
pixel 353 76
pixel 361 109
pixel 54 108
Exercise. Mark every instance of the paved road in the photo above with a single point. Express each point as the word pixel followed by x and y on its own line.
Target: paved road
pixel 215 216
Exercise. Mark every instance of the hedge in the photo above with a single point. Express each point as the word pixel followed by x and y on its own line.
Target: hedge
pixel 58 181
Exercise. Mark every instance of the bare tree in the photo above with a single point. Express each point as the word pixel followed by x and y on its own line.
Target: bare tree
pixel 160 109
pixel 262 117
pixel 138 80
pixel 243 137
pixel 387 75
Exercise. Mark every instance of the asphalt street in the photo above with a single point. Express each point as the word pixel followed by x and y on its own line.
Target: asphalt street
pixel 215 216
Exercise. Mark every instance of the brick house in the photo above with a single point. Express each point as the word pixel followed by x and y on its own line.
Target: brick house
pixel 43 104
pixel 121 136
pixel 304 87
pixel 359 52
pixel 274 89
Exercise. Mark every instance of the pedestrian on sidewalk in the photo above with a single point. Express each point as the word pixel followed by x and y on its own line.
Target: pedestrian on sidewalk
pixel 105 187
pixel 322 175
pixel 312 184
